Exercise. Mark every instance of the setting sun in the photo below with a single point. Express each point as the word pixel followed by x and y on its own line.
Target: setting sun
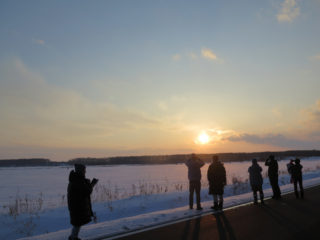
pixel 203 138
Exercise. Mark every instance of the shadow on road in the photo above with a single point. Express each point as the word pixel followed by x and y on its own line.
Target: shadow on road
pixel 224 227
pixel 189 230
pixel 288 224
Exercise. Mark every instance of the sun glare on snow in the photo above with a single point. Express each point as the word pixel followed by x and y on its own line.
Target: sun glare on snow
pixel 203 138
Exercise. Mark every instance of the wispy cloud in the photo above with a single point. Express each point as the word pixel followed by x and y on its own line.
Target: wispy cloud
pixel 315 57
pixel 205 53
pixel 208 54
pixel 162 105
pixel 38 41
pixel 277 140
pixel 48 115
pixel 176 57
pixel 289 11
pixel 192 56
pixel 311 117
pixel 172 102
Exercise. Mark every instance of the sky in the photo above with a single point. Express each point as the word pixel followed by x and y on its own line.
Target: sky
pixel 117 78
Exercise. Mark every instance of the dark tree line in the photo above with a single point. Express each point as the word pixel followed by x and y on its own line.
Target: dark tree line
pixel 160 159
pixel 181 158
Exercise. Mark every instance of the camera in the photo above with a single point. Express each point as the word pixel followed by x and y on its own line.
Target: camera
pixel 94 181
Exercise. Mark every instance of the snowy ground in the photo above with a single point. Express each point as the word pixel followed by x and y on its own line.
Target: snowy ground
pixel 139 222
pixel 128 210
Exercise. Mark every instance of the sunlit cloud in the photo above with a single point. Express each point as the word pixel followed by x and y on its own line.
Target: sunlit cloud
pixel 192 56
pixel 208 54
pixel 176 57
pixel 316 57
pixel 38 115
pixel 162 106
pixel 45 114
pixel 173 101
pixel 289 11
pixel 38 41
pixel 213 135
pixel 277 140
pixel 311 117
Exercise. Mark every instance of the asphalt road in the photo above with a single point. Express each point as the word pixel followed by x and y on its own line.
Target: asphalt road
pixel 288 218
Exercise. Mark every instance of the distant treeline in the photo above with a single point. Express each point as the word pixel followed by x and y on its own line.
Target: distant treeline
pixel 160 159
pixel 27 162
pixel 181 158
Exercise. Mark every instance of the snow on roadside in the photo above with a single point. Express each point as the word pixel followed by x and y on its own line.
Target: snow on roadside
pixel 125 224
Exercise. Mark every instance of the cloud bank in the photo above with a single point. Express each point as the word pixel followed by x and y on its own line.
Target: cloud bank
pixel 289 11
pixel 208 54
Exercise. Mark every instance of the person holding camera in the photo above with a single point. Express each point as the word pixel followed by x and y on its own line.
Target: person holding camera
pixel 79 199
pixel 273 169
pixel 297 178
pixel 194 175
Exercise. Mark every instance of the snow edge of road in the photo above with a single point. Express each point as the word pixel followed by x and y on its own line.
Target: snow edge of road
pixel 148 221
pixel 182 219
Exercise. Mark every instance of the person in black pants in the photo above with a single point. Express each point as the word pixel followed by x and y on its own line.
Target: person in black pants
pixel 194 175
pixel 272 164
pixel 217 180
pixel 297 178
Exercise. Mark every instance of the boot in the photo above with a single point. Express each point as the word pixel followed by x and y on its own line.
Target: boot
pixel 72 238
pixel 220 206
pixel 215 206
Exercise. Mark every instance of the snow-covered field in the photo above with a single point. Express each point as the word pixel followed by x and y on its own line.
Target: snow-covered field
pixel 33 199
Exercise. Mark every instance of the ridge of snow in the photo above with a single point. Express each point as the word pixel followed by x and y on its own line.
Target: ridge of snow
pixel 112 228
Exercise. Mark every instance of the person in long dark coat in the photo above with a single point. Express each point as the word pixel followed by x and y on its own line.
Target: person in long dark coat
pixel 297 178
pixel 79 200
pixel 272 163
pixel 194 175
pixel 217 180
pixel 256 181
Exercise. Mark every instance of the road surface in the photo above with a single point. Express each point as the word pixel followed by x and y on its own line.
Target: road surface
pixel 288 218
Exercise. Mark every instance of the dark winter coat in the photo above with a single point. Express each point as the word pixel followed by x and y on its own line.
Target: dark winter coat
pixel 194 172
pixel 289 167
pixel 273 168
pixel 217 178
pixel 255 175
pixel 296 171
pixel 79 201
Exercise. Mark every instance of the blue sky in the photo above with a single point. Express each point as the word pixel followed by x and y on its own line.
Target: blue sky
pixel 105 78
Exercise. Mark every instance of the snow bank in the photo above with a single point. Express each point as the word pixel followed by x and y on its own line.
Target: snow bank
pixel 157 218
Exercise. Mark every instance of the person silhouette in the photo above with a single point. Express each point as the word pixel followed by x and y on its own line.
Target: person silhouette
pixel 272 164
pixel 256 181
pixel 79 200
pixel 289 168
pixel 194 175
pixel 217 180
pixel 297 178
